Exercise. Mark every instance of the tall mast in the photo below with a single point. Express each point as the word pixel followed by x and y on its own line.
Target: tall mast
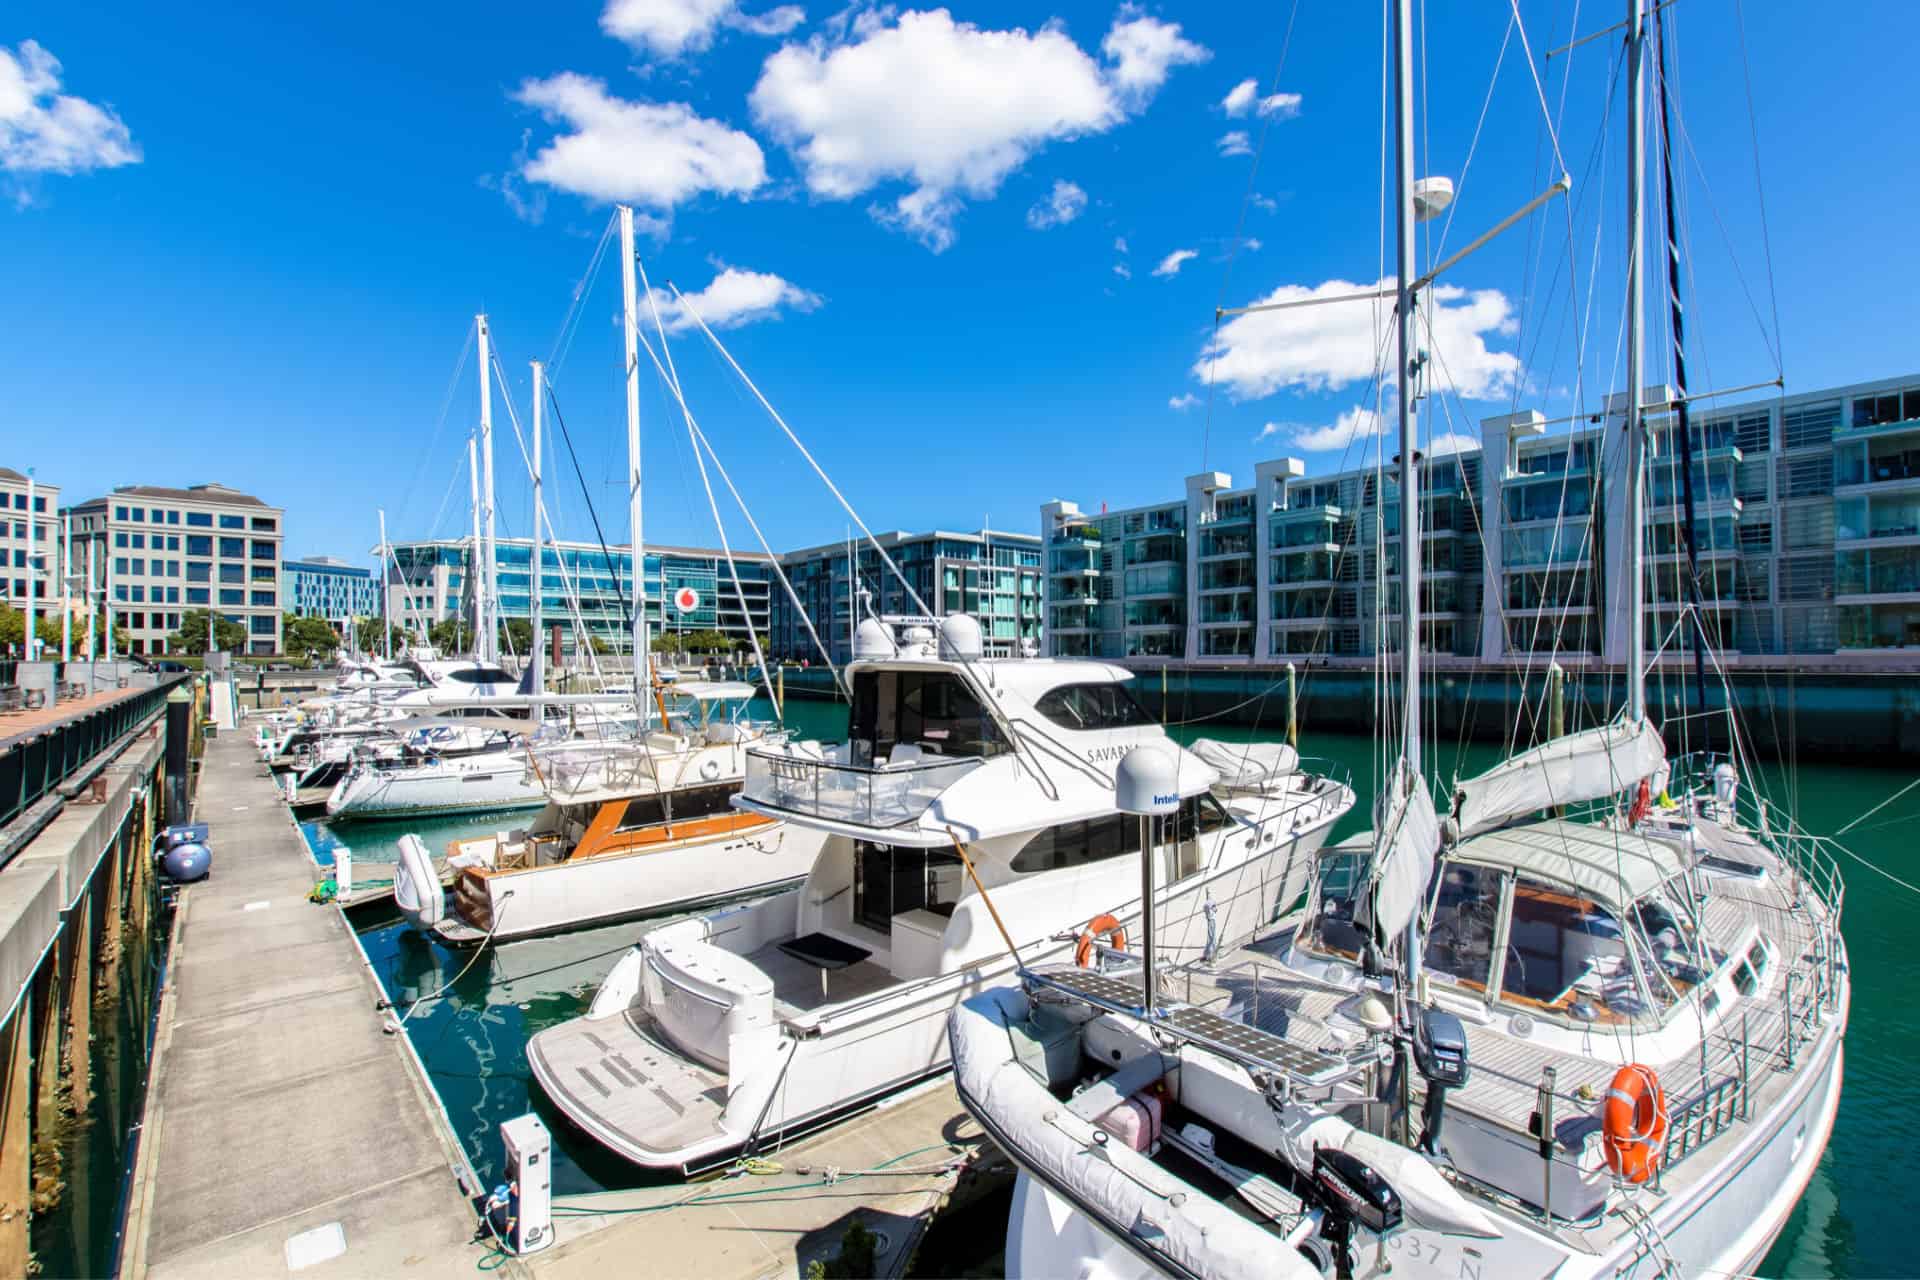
pixel 1405 354
pixel 1635 532
pixel 630 325
pixel 475 578
pixel 534 656
pixel 485 644
pixel 386 583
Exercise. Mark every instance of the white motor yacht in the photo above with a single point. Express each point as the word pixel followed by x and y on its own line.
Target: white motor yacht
pixel 961 775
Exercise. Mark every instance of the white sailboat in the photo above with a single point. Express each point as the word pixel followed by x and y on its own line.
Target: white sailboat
pixel 1507 1043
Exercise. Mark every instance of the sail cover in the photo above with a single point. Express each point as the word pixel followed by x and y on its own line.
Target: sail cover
pixel 1247 766
pixel 1403 861
pixel 1567 770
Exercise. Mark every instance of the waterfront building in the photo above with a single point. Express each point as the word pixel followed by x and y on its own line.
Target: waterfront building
pixel 158 552
pixel 430 581
pixel 330 588
pixel 1807 543
pixel 992 575
pixel 29 541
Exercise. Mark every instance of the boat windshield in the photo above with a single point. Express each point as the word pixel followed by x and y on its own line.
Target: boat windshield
pixel 1338 880
pixel 1465 921
pixel 1566 954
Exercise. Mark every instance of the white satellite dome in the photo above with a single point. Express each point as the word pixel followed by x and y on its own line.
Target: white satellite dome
pixel 871 639
pixel 1431 196
pixel 1147 782
pixel 960 638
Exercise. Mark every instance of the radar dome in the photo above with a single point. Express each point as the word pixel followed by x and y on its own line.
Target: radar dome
pixel 960 639
pixel 872 640
pixel 1147 782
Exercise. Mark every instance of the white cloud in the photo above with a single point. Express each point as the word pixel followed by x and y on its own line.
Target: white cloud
pixel 1449 442
pixel 45 131
pixel 655 154
pixel 1182 403
pixel 1326 347
pixel 1252 244
pixel 946 107
pixel 1357 423
pixel 1122 270
pixel 1266 203
pixel 1236 143
pixel 670 28
pixel 1144 50
pixel 1119 244
pixel 1245 97
pixel 1059 207
pixel 1269 431
pixel 1284 105
pixel 1171 264
pixel 734 298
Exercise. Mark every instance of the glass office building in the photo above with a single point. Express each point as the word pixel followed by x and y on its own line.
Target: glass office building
pixel 430 581
pixel 992 575
pixel 324 587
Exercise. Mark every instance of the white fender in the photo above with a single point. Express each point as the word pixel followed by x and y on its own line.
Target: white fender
pixel 416 889
pixel 622 985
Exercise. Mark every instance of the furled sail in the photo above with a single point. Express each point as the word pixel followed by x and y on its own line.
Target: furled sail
pixel 1567 770
pixel 1409 840
pixel 1247 766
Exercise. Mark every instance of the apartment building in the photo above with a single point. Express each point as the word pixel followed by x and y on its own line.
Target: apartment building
pixel 688 588
pixel 29 539
pixel 157 552
pixel 992 575
pixel 1806 542
pixel 330 588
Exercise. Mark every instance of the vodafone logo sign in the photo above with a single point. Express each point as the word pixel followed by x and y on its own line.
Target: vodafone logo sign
pixel 686 599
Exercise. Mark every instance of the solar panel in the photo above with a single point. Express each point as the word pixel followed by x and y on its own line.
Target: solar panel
pixel 1244 1043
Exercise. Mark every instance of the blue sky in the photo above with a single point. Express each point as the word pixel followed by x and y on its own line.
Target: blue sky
pixel 971 255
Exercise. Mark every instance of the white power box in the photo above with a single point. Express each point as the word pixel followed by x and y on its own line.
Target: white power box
pixel 529 1149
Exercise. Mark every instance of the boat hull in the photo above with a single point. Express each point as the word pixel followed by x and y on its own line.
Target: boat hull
pixel 471 785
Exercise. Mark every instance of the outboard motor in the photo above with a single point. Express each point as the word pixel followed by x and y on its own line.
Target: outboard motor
pixel 1348 1191
pixel 182 853
pixel 1440 1051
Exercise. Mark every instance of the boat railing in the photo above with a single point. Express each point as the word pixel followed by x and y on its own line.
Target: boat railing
pixel 884 795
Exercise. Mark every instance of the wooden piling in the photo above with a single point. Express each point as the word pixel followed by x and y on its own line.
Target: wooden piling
pixel 16 1141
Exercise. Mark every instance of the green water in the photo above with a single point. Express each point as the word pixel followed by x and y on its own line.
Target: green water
pixel 472 1041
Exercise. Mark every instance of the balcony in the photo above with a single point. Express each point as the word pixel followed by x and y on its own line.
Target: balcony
pixel 1075 535
pixel 893 794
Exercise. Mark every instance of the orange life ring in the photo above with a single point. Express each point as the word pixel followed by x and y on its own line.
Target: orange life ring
pixel 1100 924
pixel 1635 1121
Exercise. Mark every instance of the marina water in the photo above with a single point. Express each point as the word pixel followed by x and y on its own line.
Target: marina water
pixel 473 1039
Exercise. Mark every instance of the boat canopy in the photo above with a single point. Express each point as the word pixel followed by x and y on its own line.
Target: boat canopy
pixel 1247 766
pixel 1614 868
pixel 1566 770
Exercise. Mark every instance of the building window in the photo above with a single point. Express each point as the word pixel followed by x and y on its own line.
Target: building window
pixel 199 544
pixel 138 567
pixel 263 550
pixel 230 597
pixel 196 595
pixel 199 520
pixel 233 548
pixel 263 599
pixel 119 513
pixel 119 539
pixel 265 524
pixel 234 573
pixel 264 573
pixel 232 522
pixel 139 515
pixel 262 625
pixel 199 571
pixel 173 517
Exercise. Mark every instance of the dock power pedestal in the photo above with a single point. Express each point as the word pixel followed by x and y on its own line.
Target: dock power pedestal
pixel 529 1149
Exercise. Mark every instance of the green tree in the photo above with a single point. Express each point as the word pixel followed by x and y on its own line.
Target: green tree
pixel 368 638
pixel 192 635
pixel 303 636
pixel 516 636
pixel 450 636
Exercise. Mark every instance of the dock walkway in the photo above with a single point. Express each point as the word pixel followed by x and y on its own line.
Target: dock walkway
pixel 276 1105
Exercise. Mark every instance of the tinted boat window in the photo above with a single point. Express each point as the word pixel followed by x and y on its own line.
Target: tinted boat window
pixel 1086 707
pixel 1466 912
pixel 1568 954
pixel 1073 844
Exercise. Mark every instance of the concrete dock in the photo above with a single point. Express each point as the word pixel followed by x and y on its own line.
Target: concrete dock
pixel 892 1169
pixel 276 1105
